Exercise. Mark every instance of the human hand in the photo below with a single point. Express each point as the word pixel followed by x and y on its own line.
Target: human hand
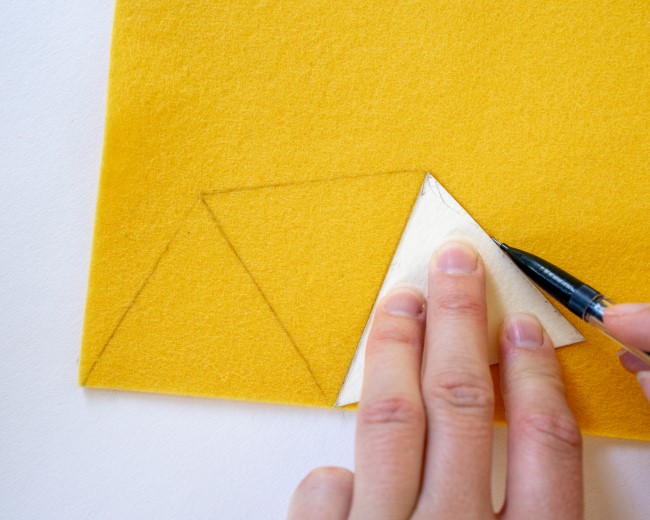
pixel 424 424
pixel 630 324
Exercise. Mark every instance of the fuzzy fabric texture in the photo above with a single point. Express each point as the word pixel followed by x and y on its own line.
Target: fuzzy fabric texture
pixel 247 212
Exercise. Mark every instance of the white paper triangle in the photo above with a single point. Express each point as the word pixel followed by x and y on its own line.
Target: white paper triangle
pixel 435 218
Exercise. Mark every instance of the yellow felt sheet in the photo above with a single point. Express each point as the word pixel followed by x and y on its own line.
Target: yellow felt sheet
pixel 261 160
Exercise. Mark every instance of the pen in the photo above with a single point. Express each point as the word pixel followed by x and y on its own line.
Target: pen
pixel 580 298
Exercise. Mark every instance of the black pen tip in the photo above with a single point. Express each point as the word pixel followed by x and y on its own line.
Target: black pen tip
pixel 500 244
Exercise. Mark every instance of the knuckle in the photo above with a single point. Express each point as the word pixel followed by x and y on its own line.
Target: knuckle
pixel 554 430
pixel 543 377
pixel 462 392
pixel 392 412
pixel 460 304
pixel 394 334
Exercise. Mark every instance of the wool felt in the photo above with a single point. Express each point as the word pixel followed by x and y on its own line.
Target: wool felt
pixel 535 117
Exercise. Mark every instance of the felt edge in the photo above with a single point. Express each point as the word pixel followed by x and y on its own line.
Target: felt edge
pixel 83 361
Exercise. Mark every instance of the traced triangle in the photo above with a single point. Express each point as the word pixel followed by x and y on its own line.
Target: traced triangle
pixel 200 326
pixel 437 217
pixel 319 252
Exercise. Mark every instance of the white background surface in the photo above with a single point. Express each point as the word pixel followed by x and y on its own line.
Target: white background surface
pixel 71 453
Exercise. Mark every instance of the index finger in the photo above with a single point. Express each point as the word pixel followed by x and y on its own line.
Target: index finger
pixel 390 421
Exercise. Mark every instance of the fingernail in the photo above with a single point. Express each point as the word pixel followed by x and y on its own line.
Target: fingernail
pixel 457 258
pixel 643 378
pixel 404 301
pixel 524 330
pixel 623 309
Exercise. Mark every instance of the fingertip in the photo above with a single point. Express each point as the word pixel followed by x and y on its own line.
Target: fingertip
pixel 526 350
pixel 631 363
pixel 629 323
pixel 627 309
pixel 455 257
pixel 523 330
pixel 457 289
pixel 403 301
pixel 325 492
pixel 325 479
pixel 643 377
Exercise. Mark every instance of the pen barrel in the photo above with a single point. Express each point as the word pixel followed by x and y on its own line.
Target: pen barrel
pixel 585 302
pixel 577 296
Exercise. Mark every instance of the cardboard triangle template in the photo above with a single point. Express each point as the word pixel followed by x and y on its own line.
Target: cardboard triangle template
pixel 436 217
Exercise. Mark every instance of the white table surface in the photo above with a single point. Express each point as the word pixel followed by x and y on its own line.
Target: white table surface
pixel 68 453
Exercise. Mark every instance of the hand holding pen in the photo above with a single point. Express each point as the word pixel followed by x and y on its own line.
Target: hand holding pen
pixel 628 325
pixel 424 425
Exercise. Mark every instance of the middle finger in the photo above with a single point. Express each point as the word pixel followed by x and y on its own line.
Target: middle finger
pixel 457 388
